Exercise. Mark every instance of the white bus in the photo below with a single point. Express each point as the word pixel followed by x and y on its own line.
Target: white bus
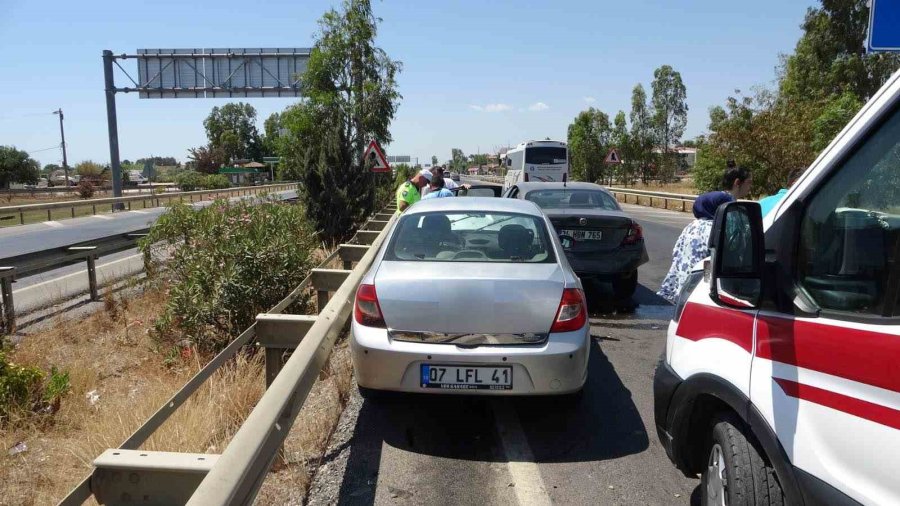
pixel 546 161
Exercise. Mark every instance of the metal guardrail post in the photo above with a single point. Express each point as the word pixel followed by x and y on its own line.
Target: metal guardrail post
pixel 92 276
pixel 7 276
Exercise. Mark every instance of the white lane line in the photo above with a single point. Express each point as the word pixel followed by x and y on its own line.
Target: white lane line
pixel 140 212
pixel 103 217
pixel 528 484
pixel 54 224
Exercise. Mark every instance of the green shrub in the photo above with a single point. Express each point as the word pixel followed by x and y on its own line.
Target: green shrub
pixel 85 189
pixel 227 262
pixel 190 181
pixel 20 386
pixel 215 182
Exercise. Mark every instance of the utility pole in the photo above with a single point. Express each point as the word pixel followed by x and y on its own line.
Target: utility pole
pixel 109 82
pixel 62 135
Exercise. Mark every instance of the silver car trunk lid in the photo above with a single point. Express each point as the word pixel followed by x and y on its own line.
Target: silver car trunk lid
pixel 469 303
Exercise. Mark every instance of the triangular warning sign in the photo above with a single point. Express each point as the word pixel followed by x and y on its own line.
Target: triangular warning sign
pixel 374 151
pixel 612 157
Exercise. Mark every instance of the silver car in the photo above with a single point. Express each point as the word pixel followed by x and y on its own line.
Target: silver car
pixel 471 295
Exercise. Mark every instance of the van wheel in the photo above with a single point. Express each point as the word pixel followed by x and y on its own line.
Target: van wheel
pixel 624 286
pixel 736 473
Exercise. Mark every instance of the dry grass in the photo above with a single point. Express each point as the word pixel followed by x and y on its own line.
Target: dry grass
pixel 110 354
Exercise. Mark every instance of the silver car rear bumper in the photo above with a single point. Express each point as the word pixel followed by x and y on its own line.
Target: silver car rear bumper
pixel 558 366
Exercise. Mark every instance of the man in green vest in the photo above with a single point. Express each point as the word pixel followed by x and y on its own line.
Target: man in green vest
pixel 410 191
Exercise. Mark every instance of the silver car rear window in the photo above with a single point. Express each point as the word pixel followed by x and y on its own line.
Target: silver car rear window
pixel 471 237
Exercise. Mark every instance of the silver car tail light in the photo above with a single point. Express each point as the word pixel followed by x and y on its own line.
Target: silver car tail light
pixel 572 312
pixel 366 311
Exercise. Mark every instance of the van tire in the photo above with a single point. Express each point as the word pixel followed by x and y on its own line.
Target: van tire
pixel 749 479
pixel 624 286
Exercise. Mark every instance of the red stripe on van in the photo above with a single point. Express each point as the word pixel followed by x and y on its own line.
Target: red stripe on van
pixel 850 405
pixel 868 357
pixel 699 321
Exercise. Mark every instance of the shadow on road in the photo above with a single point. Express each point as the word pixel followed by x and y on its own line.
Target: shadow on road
pixel 604 424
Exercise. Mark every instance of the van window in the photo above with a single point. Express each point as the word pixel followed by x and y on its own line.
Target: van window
pixel 850 235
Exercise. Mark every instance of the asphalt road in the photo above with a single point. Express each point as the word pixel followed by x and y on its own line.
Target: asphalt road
pixel 416 449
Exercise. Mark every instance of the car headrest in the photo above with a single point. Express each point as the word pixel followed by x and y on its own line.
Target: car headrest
pixel 579 199
pixel 515 239
pixel 436 223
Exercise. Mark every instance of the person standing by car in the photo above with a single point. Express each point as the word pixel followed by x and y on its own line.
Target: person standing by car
pixel 737 181
pixel 692 245
pixel 410 191
pixel 436 189
pixel 767 204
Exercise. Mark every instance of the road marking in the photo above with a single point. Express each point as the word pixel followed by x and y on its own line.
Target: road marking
pixel 140 212
pixel 528 484
pixel 103 217
pixel 54 224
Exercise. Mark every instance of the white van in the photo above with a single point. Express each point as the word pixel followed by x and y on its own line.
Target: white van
pixel 780 382
pixel 536 161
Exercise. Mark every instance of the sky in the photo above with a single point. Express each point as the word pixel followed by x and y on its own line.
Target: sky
pixel 477 75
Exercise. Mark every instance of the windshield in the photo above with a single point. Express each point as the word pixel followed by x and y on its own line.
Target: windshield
pixel 471 237
pixel 577 199
pixel 545 156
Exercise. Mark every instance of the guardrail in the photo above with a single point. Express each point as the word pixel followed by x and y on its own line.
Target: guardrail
pixel 647 195
pixel 623 194
pixel 49 259
pixel 9 212
pixel 235 476
pixel 36 262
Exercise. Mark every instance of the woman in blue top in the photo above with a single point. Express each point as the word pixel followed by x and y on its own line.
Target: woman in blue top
pixel 692 245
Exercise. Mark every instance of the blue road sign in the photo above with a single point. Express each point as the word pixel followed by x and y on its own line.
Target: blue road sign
pixel 884 26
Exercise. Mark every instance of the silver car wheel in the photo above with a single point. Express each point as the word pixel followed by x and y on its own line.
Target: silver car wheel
pixel 716 484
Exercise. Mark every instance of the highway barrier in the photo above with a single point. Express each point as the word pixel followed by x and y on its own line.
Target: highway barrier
pixel 682 202
pixel 126 474
pixel 646 197
pixel 143 201
pixel 35 262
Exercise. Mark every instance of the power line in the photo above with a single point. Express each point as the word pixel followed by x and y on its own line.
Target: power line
pixel 20 116
pixel 44 149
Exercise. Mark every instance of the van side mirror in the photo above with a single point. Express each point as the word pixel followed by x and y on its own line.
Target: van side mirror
pixel 737 249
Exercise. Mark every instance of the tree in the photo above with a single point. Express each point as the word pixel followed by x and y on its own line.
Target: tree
pixel 232 129
pixel 820 87
pixel 272 128
pixel 92 171
pixel 17 167
pixel 458 160
pixel 351 97
pixel 49 168
pixel 434 160
pixel 669 112
pixel 207 159
pixel 589 137
pixel 642 134
pixel 163 161
pixel 758 132
pixel 830 58
pixel 621 139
